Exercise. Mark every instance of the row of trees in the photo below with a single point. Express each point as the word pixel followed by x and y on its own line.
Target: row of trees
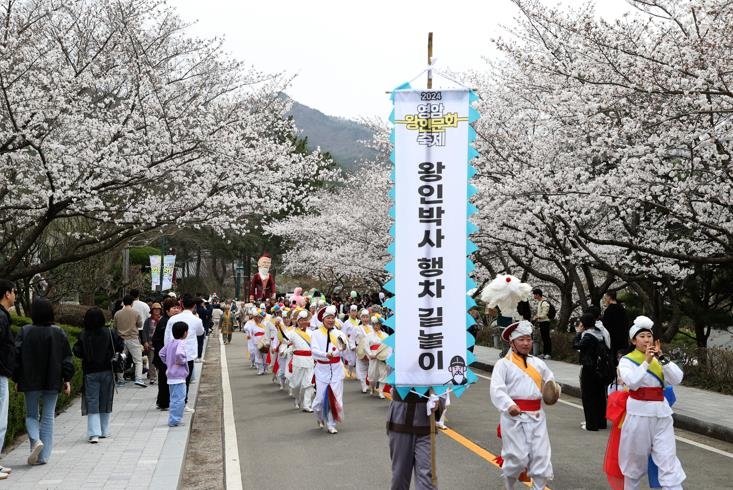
pixel 115 125
pixel 605 165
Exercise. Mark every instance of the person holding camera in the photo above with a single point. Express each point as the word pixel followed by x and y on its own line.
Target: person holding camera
pixel 96 347
pixel 592 389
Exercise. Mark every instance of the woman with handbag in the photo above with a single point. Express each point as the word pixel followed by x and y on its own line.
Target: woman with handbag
pixel 97 348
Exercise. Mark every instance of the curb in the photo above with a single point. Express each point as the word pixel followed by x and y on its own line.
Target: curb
pixel 683 422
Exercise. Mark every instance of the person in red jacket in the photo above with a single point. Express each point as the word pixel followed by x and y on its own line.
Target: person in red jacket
pixel 262 286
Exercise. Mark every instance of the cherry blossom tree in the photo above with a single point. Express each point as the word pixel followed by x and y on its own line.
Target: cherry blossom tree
pixel 114 122
pixel 344 239
pixel 606 147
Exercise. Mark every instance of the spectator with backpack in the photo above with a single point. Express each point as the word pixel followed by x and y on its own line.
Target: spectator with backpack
pixel 542 319
pixel 594 351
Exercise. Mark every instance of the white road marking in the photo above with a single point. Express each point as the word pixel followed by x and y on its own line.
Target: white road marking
pixel 232 470
pixel 679 438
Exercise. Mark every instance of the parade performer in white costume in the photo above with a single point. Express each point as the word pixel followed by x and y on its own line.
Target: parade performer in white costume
pixel 517 383
pixel 647 428
pixel 251 338
pixel 301 382
pixel 255 330
pixel 350 328
pixel 362 330
pixel 327 344
pixel 378 354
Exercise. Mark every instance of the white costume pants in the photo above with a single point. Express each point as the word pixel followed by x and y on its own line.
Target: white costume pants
pixel 642 436
pixel 338 390
pixel 525 444
pixel 302 387
pixel 362 368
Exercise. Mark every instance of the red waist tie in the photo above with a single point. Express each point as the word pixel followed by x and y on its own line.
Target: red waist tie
pixel 647 394
pixel 374 347
pixel 259 334
pixel 333 360
pixel 529 405
pixel 301 352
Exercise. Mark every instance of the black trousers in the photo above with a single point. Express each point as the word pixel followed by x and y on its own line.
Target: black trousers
pixel 593 394
pixel 164 395
pixel 188 378
pixel 546 339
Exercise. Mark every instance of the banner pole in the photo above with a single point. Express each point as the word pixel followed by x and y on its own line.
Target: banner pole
pixel 433 465
pixel 430 60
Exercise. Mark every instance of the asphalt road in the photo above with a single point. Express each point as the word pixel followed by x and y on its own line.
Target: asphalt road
pixel 280 447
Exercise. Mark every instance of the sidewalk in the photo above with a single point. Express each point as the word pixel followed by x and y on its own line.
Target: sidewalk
pixel 696 410
pixel 143 452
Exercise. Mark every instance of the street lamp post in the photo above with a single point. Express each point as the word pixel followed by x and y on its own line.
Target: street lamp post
pixel 238 278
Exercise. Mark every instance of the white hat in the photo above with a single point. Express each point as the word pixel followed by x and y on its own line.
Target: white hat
pixel 330 311
pixel 354 308
pixel 302 314
pixel 515 330
pixel 364 312
pixel 640 323
pixel 172 294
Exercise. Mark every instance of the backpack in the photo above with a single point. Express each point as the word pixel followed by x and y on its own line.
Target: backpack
pixel 605 366
pixel 552 312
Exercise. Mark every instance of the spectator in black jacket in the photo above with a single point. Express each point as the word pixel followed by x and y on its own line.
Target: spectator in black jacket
pixel 170 307
pixel 7 358
pixel 592 388
pixel 45 367
pixel 96 346
pixel 616 322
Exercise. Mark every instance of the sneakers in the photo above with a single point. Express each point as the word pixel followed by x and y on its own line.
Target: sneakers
pixel 6 470
pixel 3 476
pixel 441 425
pixel 308 410
pixel 152 381
pixel 93 440
pixel 120 383
pixel 35 452
pixel 297 406
pixel 332 430
pixel 140 383
pixel 188 409
pixel 547 356
pixel 320 424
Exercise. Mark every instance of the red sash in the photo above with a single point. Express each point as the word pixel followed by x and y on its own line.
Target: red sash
pixel 333 360
pixel 301 353
pixel 529 405
pixel 374 347
pixel 648 394
pixel 259 334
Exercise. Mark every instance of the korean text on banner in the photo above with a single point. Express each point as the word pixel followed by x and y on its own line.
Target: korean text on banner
pixel 169 262
pixel 431 199
pixel 154 272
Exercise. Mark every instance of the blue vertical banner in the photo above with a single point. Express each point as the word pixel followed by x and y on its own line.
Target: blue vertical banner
pixel 431 195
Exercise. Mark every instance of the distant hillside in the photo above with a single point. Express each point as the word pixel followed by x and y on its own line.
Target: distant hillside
pixel 338 136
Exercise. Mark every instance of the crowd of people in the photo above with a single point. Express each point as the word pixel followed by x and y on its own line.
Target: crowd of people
pixel 310 345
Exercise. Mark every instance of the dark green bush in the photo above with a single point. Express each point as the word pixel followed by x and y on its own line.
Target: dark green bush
pixel 16 409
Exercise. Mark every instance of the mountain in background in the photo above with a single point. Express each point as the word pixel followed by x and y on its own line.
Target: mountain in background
pixel 342 138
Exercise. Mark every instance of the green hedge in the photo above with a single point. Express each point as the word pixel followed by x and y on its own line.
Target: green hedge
pixel 16 410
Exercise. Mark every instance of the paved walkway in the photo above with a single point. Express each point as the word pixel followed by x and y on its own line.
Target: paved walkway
pixel 696 410
pixel 143 452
